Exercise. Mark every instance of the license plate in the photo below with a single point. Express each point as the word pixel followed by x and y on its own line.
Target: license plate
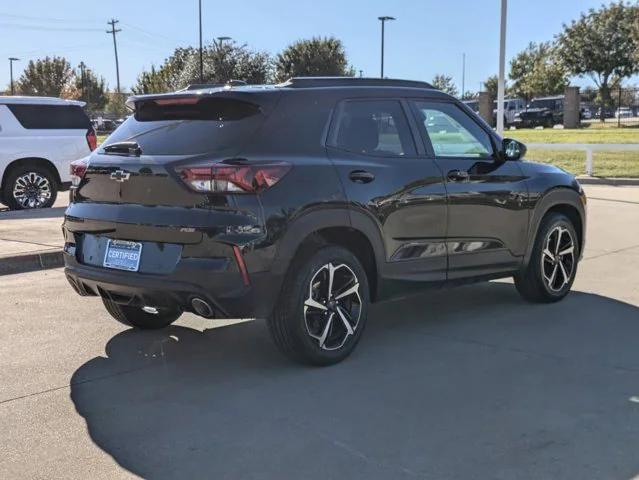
pixel 123 255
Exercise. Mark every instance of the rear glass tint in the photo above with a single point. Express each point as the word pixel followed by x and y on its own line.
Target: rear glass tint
pixel 213 125
pixel 50 116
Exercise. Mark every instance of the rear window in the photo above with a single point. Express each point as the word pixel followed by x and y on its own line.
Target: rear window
pixel 190 126
pixel 50 116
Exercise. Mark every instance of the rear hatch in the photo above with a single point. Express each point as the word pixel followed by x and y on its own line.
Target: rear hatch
pixel 137 176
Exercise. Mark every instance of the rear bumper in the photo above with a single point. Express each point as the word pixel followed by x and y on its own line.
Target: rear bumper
pixel 193 278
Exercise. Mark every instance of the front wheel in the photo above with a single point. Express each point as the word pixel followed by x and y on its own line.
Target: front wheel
pixel 322 309
pixel 552 267
pixel 139 318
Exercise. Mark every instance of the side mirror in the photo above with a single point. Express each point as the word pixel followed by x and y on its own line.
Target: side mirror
pixel 512 149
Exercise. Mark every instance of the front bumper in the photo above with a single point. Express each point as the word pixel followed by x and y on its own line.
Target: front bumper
pixel 192 278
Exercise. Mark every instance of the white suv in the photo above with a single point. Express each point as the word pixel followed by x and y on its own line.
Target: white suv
pixel 39 138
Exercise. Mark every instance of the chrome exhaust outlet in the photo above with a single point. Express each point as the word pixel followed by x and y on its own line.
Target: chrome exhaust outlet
pixel 202 308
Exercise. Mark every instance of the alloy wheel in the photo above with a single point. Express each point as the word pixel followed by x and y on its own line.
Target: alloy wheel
pixel 333 308
pixel 558 259
pixel 32 190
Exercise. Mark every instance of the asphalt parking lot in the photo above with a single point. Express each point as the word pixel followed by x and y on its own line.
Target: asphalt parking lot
pixel 462 383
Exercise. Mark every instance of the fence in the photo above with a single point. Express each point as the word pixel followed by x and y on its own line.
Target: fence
pixel 590 149
pixel 620 107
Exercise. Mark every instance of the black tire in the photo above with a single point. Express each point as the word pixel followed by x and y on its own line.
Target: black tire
pixel 48 185
pixel 138 318
pixel 532 283
pixel 292 324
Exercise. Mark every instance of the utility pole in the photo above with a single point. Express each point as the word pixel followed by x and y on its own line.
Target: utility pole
pixel 501 88
pixel 463 75
pixel 383 20
pixel 11 60
pixel 82 66
pixel 113 31
pixel 201 60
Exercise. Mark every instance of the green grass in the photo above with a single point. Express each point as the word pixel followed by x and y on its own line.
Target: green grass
pixel 585 135
pixel 605 164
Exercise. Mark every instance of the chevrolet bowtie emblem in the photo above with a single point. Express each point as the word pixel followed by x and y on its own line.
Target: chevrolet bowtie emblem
pixel 120 176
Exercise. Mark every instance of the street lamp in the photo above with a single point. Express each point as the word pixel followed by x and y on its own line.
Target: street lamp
pixel 221 40
pixel 383 20
pixel 11 60
pixel 501 86
pixel 201 61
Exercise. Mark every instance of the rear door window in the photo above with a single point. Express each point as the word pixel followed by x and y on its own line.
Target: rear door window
pixel 50 116
pixel 373 127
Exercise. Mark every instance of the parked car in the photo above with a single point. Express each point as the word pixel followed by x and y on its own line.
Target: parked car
pixel 586 113
pixel 607 113
pixel 512 106
pixel 624 112
pixel 304 202
pixel 39 138
pixel 544 111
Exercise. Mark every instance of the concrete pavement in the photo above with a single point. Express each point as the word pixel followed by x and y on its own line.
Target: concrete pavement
pixel 463 383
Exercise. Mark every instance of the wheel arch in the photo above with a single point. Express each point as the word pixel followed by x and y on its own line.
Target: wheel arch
pixel 334 226
pixel 39 161
pixel 563 200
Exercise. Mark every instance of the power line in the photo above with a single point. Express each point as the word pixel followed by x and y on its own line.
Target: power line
pixel 48 19
pixel 113 31
pixel 22 26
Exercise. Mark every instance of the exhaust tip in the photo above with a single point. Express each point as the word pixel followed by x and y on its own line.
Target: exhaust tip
pixel 202 308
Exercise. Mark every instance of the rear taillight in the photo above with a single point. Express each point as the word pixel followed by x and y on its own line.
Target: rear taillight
pixel 92 139
pixel 223 178
pixel 77 170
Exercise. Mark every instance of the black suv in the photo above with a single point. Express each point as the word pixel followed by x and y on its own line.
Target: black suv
pixel 304 202
pixel 542 112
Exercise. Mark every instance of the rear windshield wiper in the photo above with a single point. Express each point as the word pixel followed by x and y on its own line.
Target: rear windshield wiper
pixel 123 148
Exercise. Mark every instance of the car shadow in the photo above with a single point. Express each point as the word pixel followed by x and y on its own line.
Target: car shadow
pixel 463 383
pixel 55 212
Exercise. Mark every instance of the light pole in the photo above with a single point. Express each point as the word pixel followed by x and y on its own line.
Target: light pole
pixel 11 60
pixel 221 40
pixel 501 87
pixel 383 20
pixel 463 76
pixel 201 61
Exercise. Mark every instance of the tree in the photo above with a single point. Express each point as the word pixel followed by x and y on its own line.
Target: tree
pixel 445 84
pixel 47 77
pixel 116 103
pixel 602 45
pixel 470 95
pixel 311 58
pixel 537 71
pixel 491 85
pixel 91 89
pixel 221 62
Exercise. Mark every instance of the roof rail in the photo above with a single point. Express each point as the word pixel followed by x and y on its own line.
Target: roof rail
pixel 314 82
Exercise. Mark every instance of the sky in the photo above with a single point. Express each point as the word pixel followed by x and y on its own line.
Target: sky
pixel 428 37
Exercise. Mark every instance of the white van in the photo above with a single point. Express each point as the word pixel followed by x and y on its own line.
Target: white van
pixel 39 138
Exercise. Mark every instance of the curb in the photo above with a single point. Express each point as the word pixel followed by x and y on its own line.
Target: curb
pixel 615 182
pixel 31 262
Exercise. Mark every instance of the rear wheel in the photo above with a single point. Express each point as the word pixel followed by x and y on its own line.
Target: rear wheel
pixel 553 264
pixel 139 318
pixel 30 186
pixel 322 309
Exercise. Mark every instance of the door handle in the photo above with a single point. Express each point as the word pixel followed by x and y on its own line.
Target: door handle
pixel 458 176
pixel 361 176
